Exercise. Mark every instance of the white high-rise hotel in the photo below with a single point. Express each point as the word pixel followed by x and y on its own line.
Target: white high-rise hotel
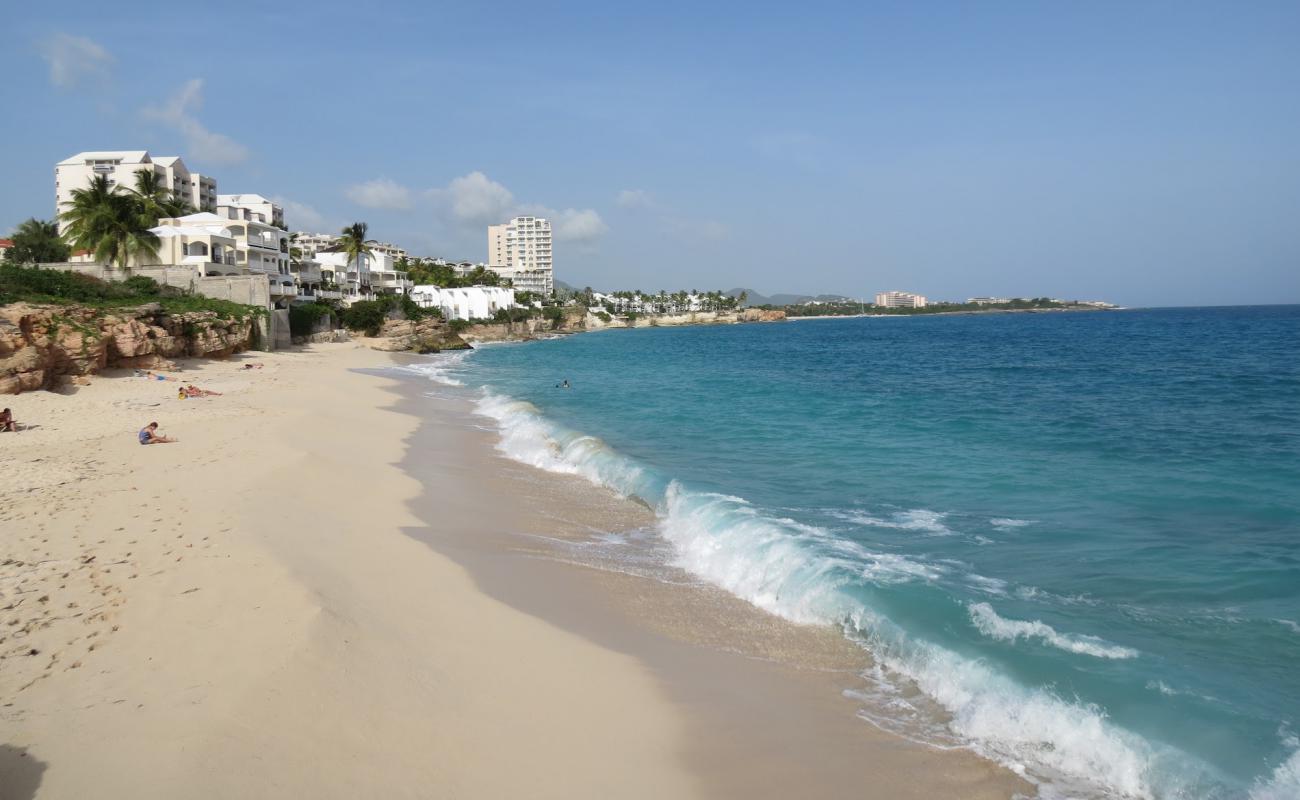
pixel 521 251
pixel 901 300
pixel 120 166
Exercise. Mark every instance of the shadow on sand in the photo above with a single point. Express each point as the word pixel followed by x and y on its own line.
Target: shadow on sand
pixel 20 773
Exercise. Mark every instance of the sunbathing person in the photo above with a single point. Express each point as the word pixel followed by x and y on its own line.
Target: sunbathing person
pixel 7 422
pixel 193 391
pixel 253 366
pixel 156 377
pixel 149 435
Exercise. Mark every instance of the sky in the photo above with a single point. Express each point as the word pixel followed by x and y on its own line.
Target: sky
pixel 1146 153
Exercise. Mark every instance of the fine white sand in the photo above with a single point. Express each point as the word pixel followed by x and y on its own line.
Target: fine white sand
pixel 240 614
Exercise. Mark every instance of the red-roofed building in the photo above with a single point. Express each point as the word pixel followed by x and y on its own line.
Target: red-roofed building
pixel 5 244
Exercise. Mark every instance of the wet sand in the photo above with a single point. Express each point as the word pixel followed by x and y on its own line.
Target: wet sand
pixel 763 699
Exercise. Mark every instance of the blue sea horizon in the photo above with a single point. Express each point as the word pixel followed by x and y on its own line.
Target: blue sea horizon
pixel 1076 534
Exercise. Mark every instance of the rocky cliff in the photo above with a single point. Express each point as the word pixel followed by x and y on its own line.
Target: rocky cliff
pixel 43 346
pixel 424 336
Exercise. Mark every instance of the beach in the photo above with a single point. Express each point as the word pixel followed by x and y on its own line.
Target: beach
pixel 333 586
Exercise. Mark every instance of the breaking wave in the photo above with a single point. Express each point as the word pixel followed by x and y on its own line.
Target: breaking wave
pixel 808 575
pixel 1009 630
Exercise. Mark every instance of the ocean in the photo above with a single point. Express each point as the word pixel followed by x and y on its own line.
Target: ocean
pixel 1070 541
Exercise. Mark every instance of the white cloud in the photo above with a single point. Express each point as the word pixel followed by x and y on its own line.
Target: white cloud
pixel 299 216
pixel 380 193
pixel 201 143
pixel 698 230
pixel 634 198
pixel 75 60
pixel 573 225
pixel 476 198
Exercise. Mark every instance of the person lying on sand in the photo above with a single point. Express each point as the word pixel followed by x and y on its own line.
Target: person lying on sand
pixel 253 366
pixel 7 422
pixel 149 435
pixel 193 391
pixel 155 377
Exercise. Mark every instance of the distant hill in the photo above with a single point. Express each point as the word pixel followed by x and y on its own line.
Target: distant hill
pixel 755 299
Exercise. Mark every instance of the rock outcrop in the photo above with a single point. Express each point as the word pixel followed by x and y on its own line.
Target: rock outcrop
pixel 423 336
pixel 42 346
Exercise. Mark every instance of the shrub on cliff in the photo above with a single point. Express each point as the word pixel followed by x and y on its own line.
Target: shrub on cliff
pixel 366 316
pixel 304 316
pixel 55 287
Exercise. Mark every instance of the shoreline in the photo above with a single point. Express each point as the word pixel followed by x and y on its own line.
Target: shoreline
pixel 714 653
pixel 957 313
pixel 285 603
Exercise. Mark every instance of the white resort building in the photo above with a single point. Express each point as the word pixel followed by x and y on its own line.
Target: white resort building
pixel 520 250
pixel 255 206
pixel 214 245
pixel 474 302
pixel 901 300
pixel 377 274
pixel 120 166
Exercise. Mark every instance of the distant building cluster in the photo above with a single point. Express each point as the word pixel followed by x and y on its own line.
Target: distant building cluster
pixel 901 300
pixel 233 235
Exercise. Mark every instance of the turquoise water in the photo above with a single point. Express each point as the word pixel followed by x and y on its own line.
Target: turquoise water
pixel 1072 541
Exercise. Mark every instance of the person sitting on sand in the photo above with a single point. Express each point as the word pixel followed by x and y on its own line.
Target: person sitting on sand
pixel 7 422
pixel 193 391
pixel 149 435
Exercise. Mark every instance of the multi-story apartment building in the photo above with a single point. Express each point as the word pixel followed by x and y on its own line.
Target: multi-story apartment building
pixel 520 250
pixel 900 300
pixel 120 166
pixel 260 209
pixel 227 245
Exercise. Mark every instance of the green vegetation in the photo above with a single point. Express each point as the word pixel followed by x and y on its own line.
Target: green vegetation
pixel 368 316
pixel 553 315
pixel 37 241
pixel 304 316
pixel 55 287
pixel 426 272
pixel 114 223
pixel 664 302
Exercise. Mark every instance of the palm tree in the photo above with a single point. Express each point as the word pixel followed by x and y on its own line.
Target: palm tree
pixel 356 245
pixel 156 200
pixel 110 223
pixel 37 241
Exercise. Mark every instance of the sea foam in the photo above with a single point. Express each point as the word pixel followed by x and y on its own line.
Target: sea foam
pixel 807 575
pixel 989 623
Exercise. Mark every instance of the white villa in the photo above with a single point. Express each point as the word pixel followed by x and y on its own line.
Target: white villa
pixel 216 245
pixel 475 302
pixel 378 274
